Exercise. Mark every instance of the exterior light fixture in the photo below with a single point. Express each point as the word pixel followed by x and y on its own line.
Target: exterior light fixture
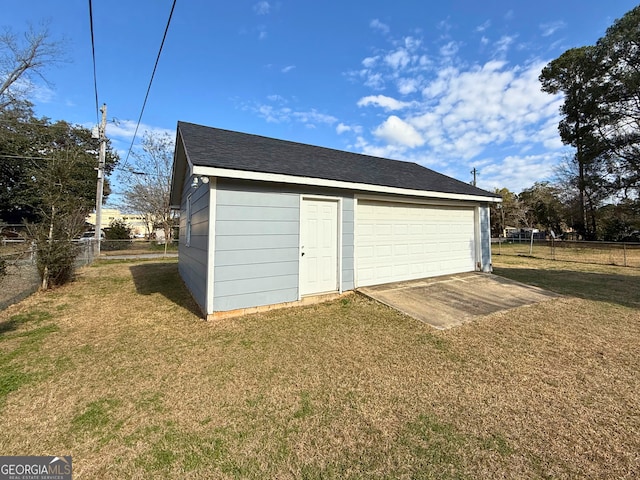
pixel 199 179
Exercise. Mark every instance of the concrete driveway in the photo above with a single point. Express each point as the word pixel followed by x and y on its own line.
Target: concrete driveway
pixel 445 302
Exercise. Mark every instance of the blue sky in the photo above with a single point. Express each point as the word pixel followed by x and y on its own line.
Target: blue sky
pixel 451 85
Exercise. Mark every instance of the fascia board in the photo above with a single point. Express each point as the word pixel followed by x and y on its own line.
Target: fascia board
pixel 320 182
pixel 179 172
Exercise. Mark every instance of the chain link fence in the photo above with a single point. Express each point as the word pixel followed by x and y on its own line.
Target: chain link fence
pixel 20 272
pixel 137 247
pixel 601 253
pixel 20 275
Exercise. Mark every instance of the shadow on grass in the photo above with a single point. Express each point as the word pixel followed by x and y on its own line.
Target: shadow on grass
pixel 14 322
pixel 621 289
pixel 163 278
pixel 10 325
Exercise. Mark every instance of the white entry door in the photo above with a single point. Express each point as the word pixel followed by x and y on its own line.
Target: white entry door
pixel 318 246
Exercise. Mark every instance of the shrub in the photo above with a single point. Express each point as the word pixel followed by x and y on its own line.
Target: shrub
pixel 55 261
pixel 118 230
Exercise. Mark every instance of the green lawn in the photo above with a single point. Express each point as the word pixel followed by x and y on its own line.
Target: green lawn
pixel 118 370
pixel 594 253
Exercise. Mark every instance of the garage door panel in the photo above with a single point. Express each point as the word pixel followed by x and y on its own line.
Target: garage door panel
pixel 396 242
pixel 416 249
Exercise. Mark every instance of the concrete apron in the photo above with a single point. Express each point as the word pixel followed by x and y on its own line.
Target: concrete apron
pixel 449 301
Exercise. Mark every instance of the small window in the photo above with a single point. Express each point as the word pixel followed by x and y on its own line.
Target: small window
pixel 188 235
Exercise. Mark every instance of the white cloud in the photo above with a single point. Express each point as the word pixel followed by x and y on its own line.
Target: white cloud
pixel 502 45
pixel 448 113
pixel 276 98
pixel 343 128
pixel 550 28
pixel 518 172
pixel 312 117
pixel 383 101
pixel 411 43
pixel 444 25
pixel 484 26
pixel 386 151
pixel 262 8
pixel 288 68
pixel 549 135
pixel 398 132
pixel 374 80
pixel 408 85
pixel 124 130
pixel 369 62
pixel 456 116
pixel 282 114
pixel 398 59
pixel 407 58
pixel 449 50
pixel 25 87
pixel 441 83
pixel 376 24
pixel 43 94
pixel 492 104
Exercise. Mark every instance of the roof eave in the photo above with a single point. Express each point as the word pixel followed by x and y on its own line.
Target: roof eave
pixel 181 163
pixel 321 182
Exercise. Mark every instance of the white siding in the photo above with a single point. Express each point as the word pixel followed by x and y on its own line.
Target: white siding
pixel 256 257
pixel 257 242
pixel 194 257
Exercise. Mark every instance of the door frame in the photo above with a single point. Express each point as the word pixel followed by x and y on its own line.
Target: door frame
pixel 327 198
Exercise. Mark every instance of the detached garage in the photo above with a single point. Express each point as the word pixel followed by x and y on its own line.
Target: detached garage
pixel 267 222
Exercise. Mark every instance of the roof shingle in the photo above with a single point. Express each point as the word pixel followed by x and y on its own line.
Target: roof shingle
pixel 214 147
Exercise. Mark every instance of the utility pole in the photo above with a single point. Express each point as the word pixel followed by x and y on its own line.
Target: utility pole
pixel 474 172
pixel 100 187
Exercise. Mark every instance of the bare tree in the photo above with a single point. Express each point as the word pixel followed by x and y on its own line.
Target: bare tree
pixel 148 182
pixel 22 58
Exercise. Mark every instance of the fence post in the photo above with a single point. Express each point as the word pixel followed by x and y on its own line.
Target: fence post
pixel 531 246
pixel 624 249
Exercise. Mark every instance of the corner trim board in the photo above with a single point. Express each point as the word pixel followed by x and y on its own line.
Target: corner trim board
pixel 211 246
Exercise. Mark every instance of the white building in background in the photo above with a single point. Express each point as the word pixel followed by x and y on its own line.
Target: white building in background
pixel 137 223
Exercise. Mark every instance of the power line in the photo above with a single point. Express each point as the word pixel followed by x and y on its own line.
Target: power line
pixel 22 157
pixel 93 54
pixel 173 6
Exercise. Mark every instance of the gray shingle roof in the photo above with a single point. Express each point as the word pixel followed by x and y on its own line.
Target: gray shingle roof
pixel 214 147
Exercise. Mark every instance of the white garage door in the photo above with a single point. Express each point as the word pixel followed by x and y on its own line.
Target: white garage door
pixel 398 241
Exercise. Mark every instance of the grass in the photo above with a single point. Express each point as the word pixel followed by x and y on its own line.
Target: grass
pixel 19 360
pixel 595 282
pixel 601 253
pixel 135 247
pixel 118 371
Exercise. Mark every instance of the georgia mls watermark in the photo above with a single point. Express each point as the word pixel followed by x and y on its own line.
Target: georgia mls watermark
pixel 36 468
